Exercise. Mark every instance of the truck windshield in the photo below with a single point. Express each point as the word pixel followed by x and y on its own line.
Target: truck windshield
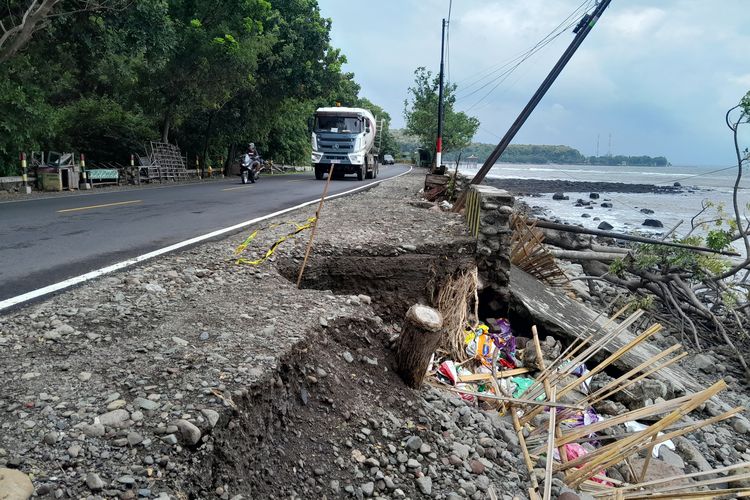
pixel 347 124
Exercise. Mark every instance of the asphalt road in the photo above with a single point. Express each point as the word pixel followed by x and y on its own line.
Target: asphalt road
pixel 47 240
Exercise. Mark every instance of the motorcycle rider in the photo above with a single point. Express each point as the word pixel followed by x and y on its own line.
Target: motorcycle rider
pixel 250 156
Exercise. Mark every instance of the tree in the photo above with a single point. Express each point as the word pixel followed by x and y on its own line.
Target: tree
pixel 420 112
pixel 22 18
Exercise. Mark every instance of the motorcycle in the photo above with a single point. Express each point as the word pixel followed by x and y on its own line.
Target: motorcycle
pixel 250 168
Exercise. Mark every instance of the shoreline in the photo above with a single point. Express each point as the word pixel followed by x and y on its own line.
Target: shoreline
pixel 521 187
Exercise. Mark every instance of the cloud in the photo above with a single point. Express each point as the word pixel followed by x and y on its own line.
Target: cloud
pixel 658 75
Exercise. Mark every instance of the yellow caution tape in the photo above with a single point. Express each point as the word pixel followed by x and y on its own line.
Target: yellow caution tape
pixel 298 228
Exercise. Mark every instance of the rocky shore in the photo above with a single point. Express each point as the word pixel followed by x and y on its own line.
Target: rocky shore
pixel 195 377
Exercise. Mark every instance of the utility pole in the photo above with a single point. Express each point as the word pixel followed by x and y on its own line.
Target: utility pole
pixel 597 145
pixel 609 147
pixel 439 144
pixel 581 30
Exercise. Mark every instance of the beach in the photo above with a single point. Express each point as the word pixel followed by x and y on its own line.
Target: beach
pixel 631 191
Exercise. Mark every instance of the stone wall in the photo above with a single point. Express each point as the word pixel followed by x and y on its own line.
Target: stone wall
pixel 488 212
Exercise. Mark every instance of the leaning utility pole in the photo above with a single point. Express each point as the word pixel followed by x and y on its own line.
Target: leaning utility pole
pixel 581 30
pixel 439 144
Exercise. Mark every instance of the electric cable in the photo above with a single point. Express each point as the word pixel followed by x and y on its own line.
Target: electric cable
pixel 523 56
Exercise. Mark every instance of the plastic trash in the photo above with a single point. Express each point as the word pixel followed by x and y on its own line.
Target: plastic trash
pixel 633 426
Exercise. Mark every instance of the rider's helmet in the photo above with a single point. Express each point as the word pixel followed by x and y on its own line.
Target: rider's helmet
pixel 251 145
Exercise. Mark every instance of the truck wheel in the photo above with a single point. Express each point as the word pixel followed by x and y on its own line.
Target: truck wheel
pixel 361 172
pixel 318 172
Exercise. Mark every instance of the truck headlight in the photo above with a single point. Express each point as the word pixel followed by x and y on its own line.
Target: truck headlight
pixel 356 158
pixel 316 157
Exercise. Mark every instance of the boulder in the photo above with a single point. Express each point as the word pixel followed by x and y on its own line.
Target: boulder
pixel 677 184
pixel 15 485
pixel 652 223
pixel 606 204
pixel 560 196
pixel 647 211
pixel 594 196
pixel 585 215
pixel 605 226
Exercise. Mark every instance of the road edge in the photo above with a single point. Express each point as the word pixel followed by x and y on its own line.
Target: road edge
pixel 76 280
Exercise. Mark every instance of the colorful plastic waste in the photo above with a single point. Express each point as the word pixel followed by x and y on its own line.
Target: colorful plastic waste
pixel 522 385
pixel 633 426
pixel 575 450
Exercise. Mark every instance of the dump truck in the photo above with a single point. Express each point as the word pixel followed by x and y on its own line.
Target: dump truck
pixel 345 138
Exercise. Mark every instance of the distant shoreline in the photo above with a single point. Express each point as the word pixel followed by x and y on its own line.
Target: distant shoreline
pixel 518 186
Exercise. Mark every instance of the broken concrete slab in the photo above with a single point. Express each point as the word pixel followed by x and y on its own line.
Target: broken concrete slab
pixel 560 316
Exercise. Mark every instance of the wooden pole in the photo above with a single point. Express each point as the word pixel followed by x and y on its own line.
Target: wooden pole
pixel 619 236
pixel 315 226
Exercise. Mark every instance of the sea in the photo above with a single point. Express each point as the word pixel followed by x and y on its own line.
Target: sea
pixel 699 184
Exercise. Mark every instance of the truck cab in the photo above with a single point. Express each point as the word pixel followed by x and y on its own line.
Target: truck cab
pixel 344 138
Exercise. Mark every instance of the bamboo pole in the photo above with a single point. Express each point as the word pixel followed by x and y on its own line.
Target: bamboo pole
pixel 550 447
pixel 484 395
pixel 613 453
pixel 315 226
pixel 548 389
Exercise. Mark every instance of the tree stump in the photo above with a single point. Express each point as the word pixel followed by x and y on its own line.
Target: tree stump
pixel 419 338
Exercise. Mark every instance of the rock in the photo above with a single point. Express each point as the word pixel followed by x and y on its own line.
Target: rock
pixel 368 489
pixel 647 211
pixel 365 299
pixel 652 223
pixel 323 322
pixel 677 184
pixel 690 453
pixel 189 433
pixel 594 196
pixel 671 457
pixel 180 342
pixel 413 443
pixel 94 430
pixel 585 216
pixel 134 438
pixel 477 467
pixel 606 204
pixel 114 418
pixel 461 450
pixel 425 485
pixel 203 336
pixel 348 357
pixel 15 485
pixel 145 404
pixel 212 416
pixel 84 376
pixel 605 226
pixel 413 464
pixel 738 483
pixel 117 404
pixel 741 425
pixel 568 495
pixel 94 482
pixel 50 438
pixel 704 363
pixel 560 197
pixel 653 389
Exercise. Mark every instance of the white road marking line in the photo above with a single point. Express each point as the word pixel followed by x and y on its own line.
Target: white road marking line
pixel 62 285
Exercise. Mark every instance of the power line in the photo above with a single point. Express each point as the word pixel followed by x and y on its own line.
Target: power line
pixel 522 56
pixel 554 34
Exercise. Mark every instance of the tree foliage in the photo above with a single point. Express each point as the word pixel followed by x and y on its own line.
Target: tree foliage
pixel 420 112
pixel 104 77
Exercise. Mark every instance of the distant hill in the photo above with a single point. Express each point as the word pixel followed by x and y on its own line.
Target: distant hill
pixel 543 154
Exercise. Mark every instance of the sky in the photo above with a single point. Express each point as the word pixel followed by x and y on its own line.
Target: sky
pixel 652 78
